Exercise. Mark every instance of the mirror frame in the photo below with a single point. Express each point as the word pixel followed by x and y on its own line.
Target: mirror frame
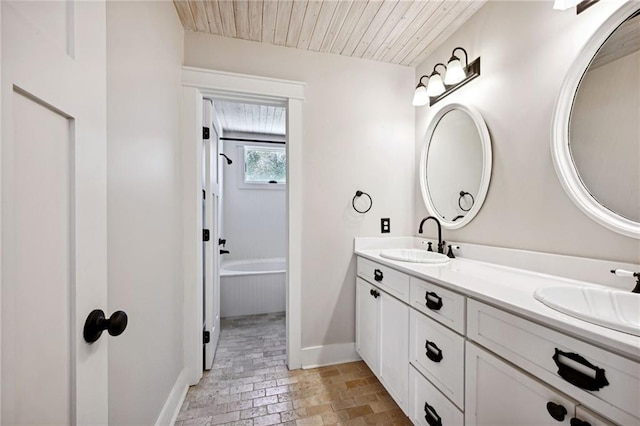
pixel 485 140
pixel 560 151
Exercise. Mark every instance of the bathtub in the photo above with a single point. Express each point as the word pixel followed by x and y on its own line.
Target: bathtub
pixel 254 286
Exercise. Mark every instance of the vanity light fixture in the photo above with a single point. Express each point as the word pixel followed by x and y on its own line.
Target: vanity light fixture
pixel 456 75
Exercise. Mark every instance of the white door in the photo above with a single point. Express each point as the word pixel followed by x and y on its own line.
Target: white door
pixel 53 225
pixel 211 276
pixel 367 307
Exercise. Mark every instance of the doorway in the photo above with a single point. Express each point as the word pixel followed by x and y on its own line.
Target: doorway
pixel 253 207
pixel 200 84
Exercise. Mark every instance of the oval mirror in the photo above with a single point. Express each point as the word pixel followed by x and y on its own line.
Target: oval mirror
pixel 455 166
pixel 596 135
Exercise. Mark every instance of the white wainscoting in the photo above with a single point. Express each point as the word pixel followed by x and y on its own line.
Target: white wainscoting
pixel 252 294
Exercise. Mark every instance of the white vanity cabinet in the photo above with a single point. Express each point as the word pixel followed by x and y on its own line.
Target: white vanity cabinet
pixel 451 360
pixel 382 339
pixel 603 381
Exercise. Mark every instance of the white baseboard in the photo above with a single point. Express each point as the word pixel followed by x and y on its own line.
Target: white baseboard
pixel 319 356
pixel 172 405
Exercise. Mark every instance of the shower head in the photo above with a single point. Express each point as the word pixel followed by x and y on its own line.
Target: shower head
pixel 227 158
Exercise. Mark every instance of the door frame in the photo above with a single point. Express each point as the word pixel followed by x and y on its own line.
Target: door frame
pixel 198 83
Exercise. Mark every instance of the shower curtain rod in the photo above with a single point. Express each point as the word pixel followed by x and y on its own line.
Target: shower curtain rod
pixel 252 140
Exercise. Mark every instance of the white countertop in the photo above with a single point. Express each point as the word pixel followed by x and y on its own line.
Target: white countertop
pixel 512 289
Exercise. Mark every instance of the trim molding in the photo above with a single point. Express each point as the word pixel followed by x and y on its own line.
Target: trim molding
pixel 174 401
pixel 319 356
pixel 233 84
pixel 196 85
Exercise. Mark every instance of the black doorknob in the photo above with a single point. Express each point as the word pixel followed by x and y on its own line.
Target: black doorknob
pixel 96 323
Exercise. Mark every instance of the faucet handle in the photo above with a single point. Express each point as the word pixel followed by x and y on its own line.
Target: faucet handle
pixel 429 248
pixel 625 273
pixel 450 252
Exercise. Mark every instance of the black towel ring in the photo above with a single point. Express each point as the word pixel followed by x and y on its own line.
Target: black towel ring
pixel 359 194
pixel 462 194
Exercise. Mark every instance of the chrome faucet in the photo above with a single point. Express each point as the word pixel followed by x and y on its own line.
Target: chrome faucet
pixel 441 243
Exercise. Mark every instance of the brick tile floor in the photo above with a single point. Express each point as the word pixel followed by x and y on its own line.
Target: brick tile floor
pixel 250 385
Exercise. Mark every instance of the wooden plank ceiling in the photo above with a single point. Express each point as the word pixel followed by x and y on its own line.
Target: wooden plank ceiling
pixel 251 118
pixel 395 31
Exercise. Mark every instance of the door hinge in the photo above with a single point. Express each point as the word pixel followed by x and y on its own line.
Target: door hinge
pixel 205 235
pixel 205 133
pixel 206 337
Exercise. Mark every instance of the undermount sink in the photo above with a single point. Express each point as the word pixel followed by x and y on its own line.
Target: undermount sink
pixel 614 309
pixel 414 256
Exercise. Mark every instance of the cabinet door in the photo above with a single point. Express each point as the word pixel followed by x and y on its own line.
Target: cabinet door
pixel 367 317
pixel 394 348
pixel 498 394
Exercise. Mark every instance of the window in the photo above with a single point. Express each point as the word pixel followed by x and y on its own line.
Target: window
pixel 264 165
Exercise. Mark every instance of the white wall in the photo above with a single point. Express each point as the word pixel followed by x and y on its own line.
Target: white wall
pixel 526 50
pixel 254 221
pixel 144 54
pixel 358 134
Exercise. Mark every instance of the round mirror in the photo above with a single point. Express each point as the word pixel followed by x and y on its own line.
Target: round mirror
pixel 455 166
pixel 596 135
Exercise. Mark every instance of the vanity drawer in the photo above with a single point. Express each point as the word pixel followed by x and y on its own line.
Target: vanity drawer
pixel 533 347
pixel 393 282
pixel 438 353
pixel 425 400
pixel 445 306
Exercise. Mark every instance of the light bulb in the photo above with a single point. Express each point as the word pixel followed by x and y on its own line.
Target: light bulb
pixel 435 86
pixel 420 96
pixel 455 72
